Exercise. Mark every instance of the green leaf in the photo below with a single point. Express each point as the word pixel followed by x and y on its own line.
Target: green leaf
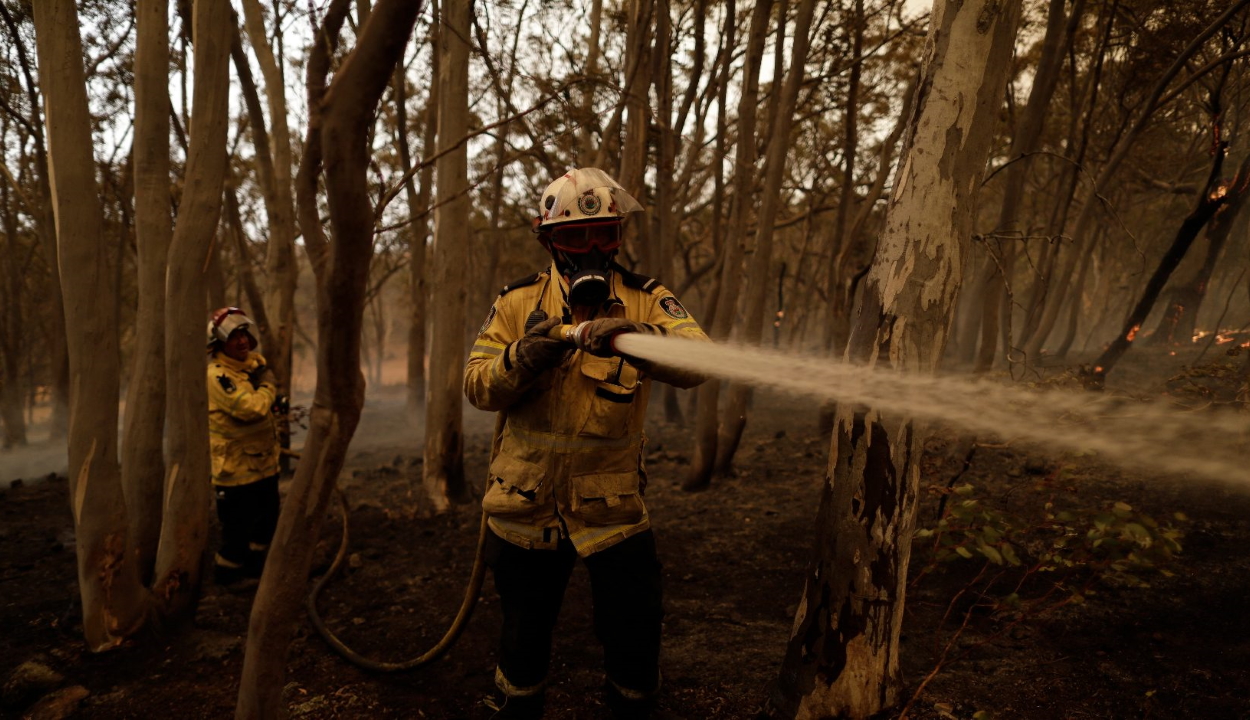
pixel 1180 516
pixel 1009 553
pixel 989 552
pixel 982 715
pixel 924 533
pixel 965 489
pixel 964 552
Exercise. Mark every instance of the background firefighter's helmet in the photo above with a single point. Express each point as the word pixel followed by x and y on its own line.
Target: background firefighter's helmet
pixel 225 321
pixel 584 194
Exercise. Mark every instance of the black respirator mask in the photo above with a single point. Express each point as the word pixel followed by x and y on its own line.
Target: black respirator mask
pixel 589 275
pixel 583 253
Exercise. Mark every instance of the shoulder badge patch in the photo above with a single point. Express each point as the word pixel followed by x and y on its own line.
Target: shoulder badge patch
pixel 672 308
pixel 226 383
pixel 490 316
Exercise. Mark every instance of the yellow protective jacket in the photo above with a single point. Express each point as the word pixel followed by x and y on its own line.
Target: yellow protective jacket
pixel 567 457
pixel 241 429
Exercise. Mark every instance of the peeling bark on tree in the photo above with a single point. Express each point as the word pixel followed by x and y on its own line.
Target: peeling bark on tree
pixel 348 111
pixel 842 659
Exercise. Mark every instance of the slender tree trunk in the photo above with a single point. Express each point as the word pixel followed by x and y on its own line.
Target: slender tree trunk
pixel 280 264
pixel 759 278
pixel 142 459
pixel 184 533
pixel 443 469
pixel 418 250
pixel 702 466
pixel 12 389
pixel 991 276
pixel 108 579
pixel 348 112
pixel 843 655
pixel 45 228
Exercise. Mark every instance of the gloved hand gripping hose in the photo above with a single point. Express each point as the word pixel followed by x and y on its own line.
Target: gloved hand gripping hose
pixel 453 633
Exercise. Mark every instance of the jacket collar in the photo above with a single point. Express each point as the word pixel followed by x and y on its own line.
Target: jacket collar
pixel 251 363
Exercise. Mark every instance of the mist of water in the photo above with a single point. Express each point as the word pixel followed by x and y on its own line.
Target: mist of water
pixel 1145 436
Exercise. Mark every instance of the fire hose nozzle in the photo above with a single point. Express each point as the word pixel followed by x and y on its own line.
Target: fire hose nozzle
pixel 563 332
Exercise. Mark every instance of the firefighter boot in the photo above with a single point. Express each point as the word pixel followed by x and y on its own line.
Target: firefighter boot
pixel 528 707
pixel 623 708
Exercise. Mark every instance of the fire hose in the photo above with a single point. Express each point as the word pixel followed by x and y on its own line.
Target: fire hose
pixel 449 638
pixel 476 577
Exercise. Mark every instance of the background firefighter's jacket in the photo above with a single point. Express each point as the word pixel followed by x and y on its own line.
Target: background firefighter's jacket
pixel 569 444
pixel 240 422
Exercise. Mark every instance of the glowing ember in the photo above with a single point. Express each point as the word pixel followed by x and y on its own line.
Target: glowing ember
pixel 1132 333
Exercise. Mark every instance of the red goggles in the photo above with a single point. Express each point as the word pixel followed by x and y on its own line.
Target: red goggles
pixel 581 237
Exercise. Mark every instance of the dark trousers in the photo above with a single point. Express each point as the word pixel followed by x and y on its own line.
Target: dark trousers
pixel 625 586
pixel 249 515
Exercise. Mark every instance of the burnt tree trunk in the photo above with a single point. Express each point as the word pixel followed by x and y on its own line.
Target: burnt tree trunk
pixel 843 656
pixel 1205 207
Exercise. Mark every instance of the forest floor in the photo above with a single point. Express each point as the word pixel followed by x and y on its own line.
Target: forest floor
pixel 734 564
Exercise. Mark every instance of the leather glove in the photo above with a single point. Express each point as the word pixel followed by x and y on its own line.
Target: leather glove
pixel 260 376
pixel 536 352
pixel 281 406
pixel 595 336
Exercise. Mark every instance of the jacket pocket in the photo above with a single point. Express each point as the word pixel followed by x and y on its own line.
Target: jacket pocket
pixel 259 457
pixel 607 499
pixel 615 390
pixel 516 488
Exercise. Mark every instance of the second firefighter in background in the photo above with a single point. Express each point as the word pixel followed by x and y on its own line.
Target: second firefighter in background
pixel 567 476
pixel 242 401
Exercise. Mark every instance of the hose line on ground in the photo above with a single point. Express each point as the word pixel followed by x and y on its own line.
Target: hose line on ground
pixel 449 638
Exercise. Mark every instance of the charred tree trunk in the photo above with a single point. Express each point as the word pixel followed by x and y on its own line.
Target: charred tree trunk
pixel 1180 319
pixel 842 659
pixel 143 444
pixel 443 469
pixel 348 112
pixel 1208 202
pixel 108 580
pixel 184 533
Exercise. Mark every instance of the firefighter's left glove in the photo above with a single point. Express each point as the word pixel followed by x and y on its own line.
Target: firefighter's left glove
pixel 281 406
pixel 536 352
pixel 260 376
pixel 595 336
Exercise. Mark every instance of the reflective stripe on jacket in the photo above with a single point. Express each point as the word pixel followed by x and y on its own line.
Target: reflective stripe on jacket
pixel 241 429
pixel 568 457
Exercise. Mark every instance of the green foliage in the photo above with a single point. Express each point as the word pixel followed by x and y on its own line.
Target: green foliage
pixel 1114 542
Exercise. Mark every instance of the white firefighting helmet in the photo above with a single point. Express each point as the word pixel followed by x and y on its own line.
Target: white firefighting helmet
pixel 225 321
pixel 584 195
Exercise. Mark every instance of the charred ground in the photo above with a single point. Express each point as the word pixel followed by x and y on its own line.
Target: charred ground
pixel 734 560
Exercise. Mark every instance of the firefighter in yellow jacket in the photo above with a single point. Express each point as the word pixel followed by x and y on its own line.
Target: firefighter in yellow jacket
pixel 566 473
pixel 242 400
